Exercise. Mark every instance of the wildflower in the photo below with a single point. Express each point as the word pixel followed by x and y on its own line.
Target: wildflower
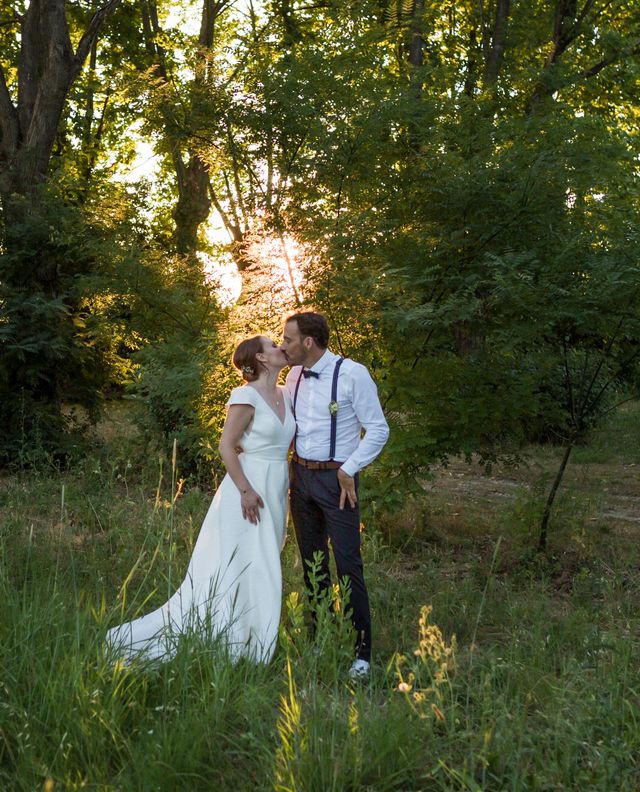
pixel 429 674
pixel 419 697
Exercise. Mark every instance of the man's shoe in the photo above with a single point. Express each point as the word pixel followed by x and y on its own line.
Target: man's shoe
pixel 360 669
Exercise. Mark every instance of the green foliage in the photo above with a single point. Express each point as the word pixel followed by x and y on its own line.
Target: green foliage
pixel 174 404
pixel 55 346
pixel 173 382
pixel 91 308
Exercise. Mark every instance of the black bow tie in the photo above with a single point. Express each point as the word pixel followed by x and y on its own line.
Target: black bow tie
pixel 306 373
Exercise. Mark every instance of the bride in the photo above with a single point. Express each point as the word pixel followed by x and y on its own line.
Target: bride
pixel 233 585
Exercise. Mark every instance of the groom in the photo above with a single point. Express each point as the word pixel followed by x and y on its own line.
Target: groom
pixel 334 399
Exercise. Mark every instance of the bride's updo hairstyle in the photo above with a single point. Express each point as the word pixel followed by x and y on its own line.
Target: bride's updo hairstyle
pixel 244 358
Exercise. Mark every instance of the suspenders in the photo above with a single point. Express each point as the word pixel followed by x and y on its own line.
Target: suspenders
pixel 334 414
pixel 334 398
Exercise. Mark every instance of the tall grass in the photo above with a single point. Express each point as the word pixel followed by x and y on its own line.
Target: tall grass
pixel 539 690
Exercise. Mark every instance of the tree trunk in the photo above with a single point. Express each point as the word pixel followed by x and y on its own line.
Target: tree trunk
pixel 416 49
pixel 192 177
pixel 542 539
pixel 565 31
pixel 47 67
pixel 90 141
pixel 194 203
pixel 292 33
pixel 495 55
pixel 471 77
pixel 416 45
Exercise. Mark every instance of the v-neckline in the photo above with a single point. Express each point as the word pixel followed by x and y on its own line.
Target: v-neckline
pixel 270 408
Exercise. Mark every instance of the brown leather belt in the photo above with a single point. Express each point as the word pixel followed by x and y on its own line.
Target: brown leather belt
pixel 312 464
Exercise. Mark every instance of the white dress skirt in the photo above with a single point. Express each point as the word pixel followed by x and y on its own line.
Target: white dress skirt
pixel 232 590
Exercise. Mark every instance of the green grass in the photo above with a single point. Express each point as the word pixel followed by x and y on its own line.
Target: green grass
pixel 544 693
pixel 617 439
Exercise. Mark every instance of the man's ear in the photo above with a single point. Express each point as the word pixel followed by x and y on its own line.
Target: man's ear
pixel 307 342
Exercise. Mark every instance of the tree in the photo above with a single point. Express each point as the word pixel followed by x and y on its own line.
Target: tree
pixel 46 244
pixel 180 107
pixel 46 69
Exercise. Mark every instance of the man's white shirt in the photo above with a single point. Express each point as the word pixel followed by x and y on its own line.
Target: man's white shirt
pixel 358 408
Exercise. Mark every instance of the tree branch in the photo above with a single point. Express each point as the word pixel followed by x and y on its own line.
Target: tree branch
pixel 633 49
pixel 582 15
pixel 233 229
pixel 567 24
pixel 16 19
pixel 211 10
pixel 588 6
pixel 564 29
pixel 8 119
pixel 90 34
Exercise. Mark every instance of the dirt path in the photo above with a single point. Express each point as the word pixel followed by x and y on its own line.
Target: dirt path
pixel 615 491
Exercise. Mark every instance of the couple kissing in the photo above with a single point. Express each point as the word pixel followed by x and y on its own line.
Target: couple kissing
pixel 329 417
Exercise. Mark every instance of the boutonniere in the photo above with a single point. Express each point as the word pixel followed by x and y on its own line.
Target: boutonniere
pixel 333 408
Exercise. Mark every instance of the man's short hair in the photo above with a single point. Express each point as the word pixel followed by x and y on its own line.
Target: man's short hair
pixel 314 325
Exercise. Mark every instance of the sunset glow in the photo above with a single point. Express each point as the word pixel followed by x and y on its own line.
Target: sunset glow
pixel 276 274
pixel 279 261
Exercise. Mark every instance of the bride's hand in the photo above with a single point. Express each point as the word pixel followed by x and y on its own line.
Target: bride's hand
pixel 251 504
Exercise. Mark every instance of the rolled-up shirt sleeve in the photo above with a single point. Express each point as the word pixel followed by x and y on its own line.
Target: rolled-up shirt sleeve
pixel 368 410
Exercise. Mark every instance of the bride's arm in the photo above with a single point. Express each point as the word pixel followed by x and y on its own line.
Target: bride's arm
pixel 288 400
pixel 238 419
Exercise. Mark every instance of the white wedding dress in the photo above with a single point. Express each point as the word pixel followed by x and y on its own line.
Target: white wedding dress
pixel 233 587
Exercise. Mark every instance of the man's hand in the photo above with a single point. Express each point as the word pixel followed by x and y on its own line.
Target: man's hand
pixel 251 504
pixel 347 489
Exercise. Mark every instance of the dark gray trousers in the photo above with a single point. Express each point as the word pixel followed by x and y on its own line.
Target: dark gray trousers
pixel 315 500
